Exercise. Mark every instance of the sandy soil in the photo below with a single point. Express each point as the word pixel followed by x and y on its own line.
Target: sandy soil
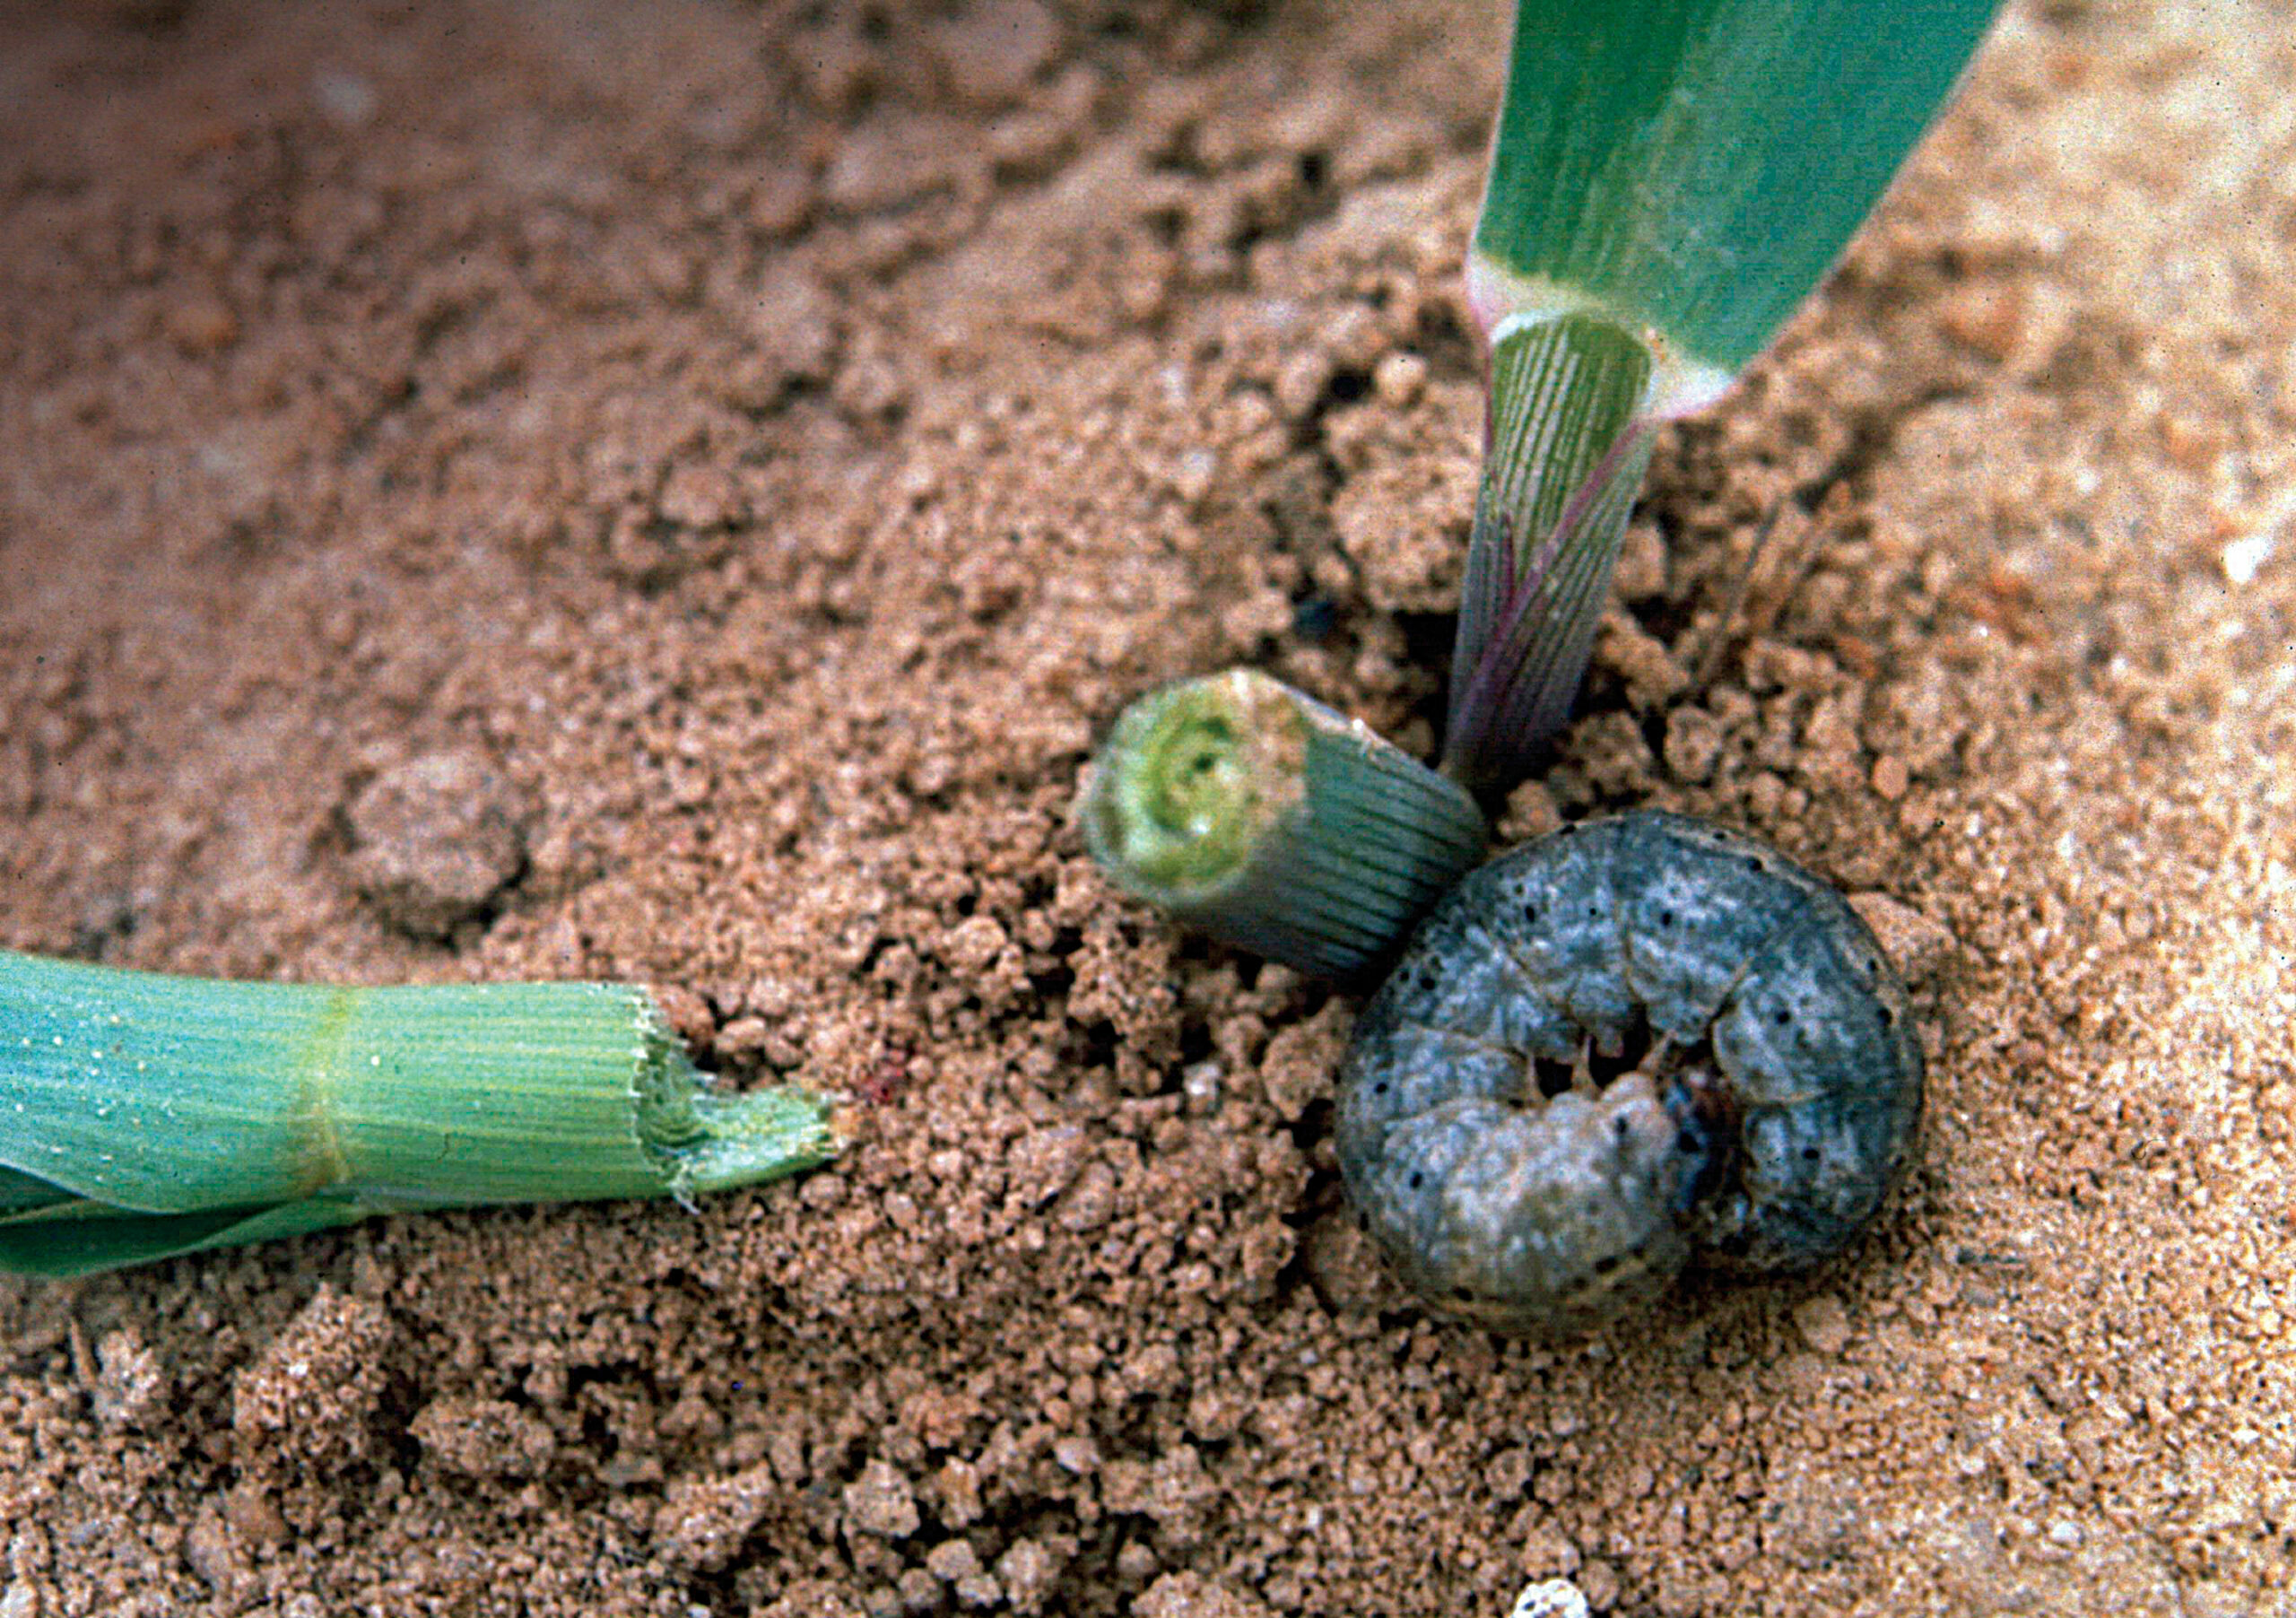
pixel 717 471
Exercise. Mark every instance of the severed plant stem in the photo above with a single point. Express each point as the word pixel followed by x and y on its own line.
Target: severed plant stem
pixel 1256 814
pixel 144 1116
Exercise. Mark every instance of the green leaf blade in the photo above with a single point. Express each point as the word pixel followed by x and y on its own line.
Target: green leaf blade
pixel 1692 168
pixel 96 1240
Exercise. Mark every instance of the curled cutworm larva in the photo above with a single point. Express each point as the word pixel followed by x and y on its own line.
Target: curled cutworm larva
pixel 1631 1045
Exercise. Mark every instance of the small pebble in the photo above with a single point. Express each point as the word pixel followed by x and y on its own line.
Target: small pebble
pixel 2244 556
pixel 1693 745
pixel 1640 572
pixel 1823 1323
pixel 436 838
pixel 130 1383
pixel 952 1560
pixel 1299 384
pixel 1987 317
pixel 1551 1599
pixel 880 1501
pixel 1025 1572
pixel 1398 379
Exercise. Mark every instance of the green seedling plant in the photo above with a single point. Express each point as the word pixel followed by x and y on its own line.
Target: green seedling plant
pixel 144 1116
pixel 1669 179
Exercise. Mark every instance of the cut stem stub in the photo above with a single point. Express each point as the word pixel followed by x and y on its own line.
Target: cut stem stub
pixel 1256 814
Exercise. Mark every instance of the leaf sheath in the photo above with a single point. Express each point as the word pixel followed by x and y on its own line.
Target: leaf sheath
pixel 1567 447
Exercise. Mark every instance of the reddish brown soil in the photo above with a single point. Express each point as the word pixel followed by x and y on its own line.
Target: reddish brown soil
pixel 667 492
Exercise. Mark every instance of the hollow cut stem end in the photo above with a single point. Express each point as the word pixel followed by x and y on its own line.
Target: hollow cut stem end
pixel 1250 811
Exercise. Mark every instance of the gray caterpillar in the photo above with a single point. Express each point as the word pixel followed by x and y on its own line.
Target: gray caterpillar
pixel 1629 1044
